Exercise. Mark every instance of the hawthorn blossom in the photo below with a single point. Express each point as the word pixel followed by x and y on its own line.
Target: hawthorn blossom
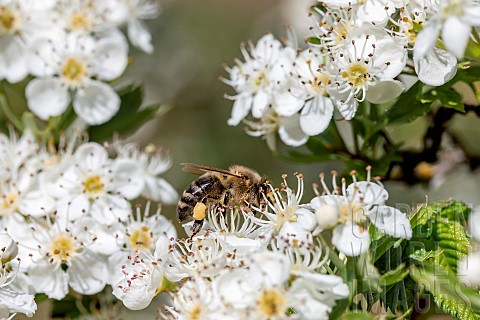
pixel 454 19
pixel 154 162
pixel 347 209
pixel 365 68
pixel 291 222
pixel 71 69
pixel 260 78
pixel 143 274
pixel 57 255
pixel 96 186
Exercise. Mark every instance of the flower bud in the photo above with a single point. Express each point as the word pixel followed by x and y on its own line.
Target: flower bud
pixel 8 248
pixel 327 216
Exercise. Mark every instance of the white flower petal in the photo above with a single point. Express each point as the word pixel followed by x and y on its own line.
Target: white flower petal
pixel 128 178
pixel 391 221
pixel 436 67
pixel 96 103
pixel 47 97
pixel 474 221
pixel 367 192
pixel 260 103
pixel 87 273
pixel 426 39
pixel 18 302
pixel 384 91
pixel 287 104
pixel 455 36
pixel 36 203
pixel 110 208
pixel 316 115
pixel 49 279
pixel 111 55
pixel 350 240
pixel 290 131
pixel 159 190
pixel 139 35
pixel 241 108
pixel 468 271
pixel 13 58
pixel 72 208
pixel 91 156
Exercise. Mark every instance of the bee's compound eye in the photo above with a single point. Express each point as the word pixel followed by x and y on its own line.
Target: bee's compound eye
pixel 199 211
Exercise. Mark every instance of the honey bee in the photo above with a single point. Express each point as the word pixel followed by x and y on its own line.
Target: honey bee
pixel 233 187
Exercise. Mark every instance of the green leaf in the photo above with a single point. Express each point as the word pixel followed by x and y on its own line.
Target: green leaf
pixel 446 96
pixel 393 276
pixel 129 117
pixel 423 255
pixel 449 295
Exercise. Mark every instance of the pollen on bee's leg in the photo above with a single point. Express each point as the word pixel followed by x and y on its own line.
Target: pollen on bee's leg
pixel 199 211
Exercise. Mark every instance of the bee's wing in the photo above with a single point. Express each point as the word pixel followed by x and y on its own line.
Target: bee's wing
pixel 199 169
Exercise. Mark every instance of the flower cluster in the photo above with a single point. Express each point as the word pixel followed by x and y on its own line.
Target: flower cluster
pixel 265 262
pixel 358 50
pixel 68 208
pixel 73 49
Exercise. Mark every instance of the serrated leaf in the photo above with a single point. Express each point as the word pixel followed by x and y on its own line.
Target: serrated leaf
pixel 449 295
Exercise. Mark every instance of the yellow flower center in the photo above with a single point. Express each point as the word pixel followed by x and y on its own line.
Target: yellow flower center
pixel 74 70
pixel 351 212
pixel 141 238
pixel 8 20
pixel 453 8
pixel 93 185
pixel 80 21
pixel 9 202
pixel 62 248
pixel 195 312
pixel 260 81
pixel 357 74
pixel 272 303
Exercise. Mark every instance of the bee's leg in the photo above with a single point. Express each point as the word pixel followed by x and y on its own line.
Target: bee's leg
pixel 196 227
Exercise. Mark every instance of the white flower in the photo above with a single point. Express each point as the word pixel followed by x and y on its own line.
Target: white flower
pixel 154 162
pixel 70 69
pixel 97 186
pixel 238 234
pixel 318 109
pixel 143 274
pixel 454 19
pixel 59 257
pixel 347 210
pixel 292 223
pixel 15 22
pixel 257 79
pixel 141 231
pixel 200 256
pixel 370 56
